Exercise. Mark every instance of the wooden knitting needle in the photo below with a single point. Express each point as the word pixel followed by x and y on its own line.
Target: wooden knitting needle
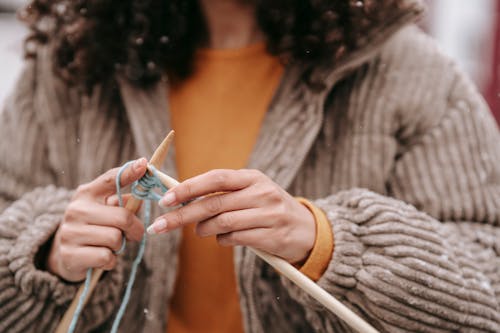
pixel 132 205
pixel 331 303
pixel 306 284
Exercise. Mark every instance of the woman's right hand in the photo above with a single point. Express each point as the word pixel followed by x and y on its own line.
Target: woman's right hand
pixel 92 227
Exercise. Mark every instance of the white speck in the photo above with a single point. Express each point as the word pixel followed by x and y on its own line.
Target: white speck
pixel 359 3
pixel 62 172
pixel 83 11
pixel 77 140
pixel 486 285
pixel 278 298
pixel 45 24
pixel 31 46
pixel 149 315
pixel 61 8
pixel 151 65
pixel 139 41
pixel 164 39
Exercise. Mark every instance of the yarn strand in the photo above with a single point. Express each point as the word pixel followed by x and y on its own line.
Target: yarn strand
pixel 133 272
pixel 81 302
pixel 143 190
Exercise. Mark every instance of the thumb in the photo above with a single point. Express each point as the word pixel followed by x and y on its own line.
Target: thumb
pixel 105 184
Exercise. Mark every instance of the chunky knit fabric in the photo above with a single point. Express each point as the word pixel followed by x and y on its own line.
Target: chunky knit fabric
pixel 399 150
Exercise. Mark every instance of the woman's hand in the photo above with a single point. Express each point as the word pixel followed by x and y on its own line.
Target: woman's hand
pixel 92 227
pixel 241 207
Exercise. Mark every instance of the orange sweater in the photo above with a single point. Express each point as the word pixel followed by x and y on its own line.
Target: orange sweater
pixel 217 114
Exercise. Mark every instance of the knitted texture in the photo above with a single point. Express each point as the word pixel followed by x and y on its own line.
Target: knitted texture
pixel 399 150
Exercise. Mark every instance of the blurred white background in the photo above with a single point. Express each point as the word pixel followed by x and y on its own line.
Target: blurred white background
pixel 11 36
pixel 467 30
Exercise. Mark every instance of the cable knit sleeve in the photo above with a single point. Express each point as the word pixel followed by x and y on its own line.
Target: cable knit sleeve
pixel 31 209
pixel 427 257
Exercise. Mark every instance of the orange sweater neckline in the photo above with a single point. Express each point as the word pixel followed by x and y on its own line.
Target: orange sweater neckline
pixel 232 53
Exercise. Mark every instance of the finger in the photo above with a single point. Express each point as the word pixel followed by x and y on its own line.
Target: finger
pixel 111 264
pixel 270 240
pixel 105 184
pixel 76 260
pixel 256 238
pixel 201 210
pixel 91 235
pixel 234 221
pixel 117 217
pixel 112 200
pixel 207 183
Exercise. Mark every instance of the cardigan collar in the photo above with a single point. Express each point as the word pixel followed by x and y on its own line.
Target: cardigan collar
pixel 295 114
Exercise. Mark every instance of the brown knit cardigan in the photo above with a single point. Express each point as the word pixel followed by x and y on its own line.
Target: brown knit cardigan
pixel 399 150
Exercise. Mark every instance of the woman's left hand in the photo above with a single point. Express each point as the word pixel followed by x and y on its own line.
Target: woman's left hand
pixel 241 207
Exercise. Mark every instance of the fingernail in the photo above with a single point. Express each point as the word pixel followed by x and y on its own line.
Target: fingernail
pixel 167 200
pixel 138 163
pixel 150 230
pixel 158 226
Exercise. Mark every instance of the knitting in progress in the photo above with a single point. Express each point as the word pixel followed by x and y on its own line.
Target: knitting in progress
pixel 142 190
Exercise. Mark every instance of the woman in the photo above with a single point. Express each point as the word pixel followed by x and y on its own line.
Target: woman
pixel 343 103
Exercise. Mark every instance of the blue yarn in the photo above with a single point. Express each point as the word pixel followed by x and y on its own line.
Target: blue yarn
pixel 133 272
pixel 79 307
pixel 122 247
pixel 147 183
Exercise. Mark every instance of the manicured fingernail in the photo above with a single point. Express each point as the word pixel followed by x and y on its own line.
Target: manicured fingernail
pixel 158 226
pixel 167 200
pixel 138 163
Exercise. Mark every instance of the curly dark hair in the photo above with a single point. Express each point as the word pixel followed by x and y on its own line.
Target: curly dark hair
pixel 91 39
